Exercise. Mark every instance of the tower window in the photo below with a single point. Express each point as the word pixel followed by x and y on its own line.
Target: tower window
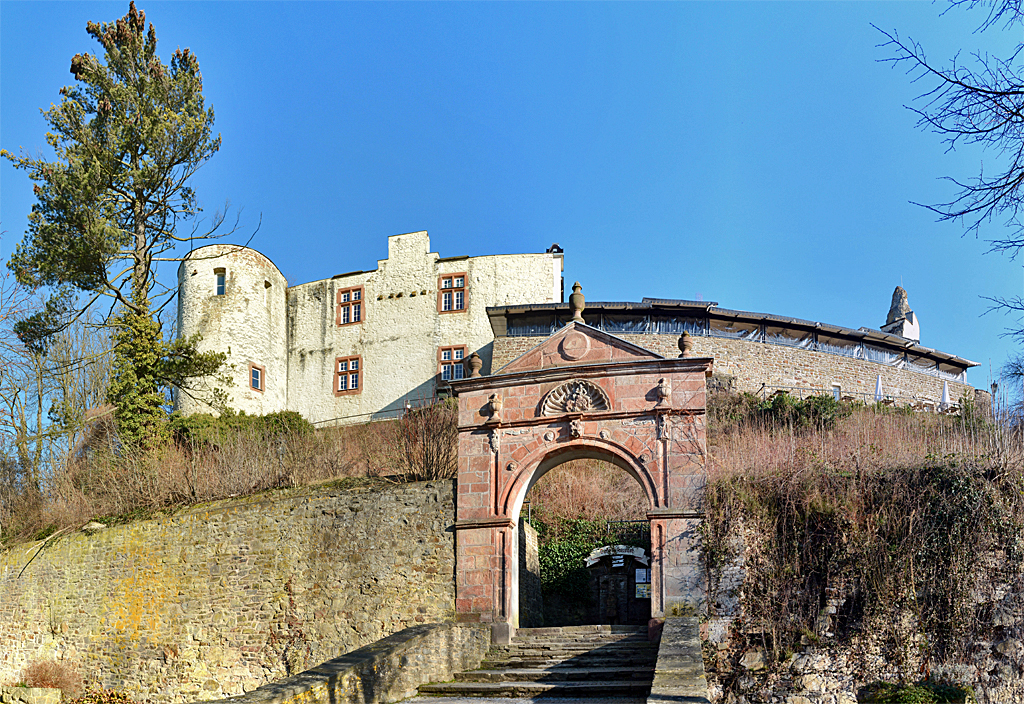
pixel 257 377
pixel 350 306
pixel 220 274
pixel 347 375
pixel 451 293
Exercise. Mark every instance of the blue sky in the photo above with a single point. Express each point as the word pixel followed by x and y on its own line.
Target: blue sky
pixel 754 154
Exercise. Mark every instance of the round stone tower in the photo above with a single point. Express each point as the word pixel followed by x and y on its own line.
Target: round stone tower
pixel 236 299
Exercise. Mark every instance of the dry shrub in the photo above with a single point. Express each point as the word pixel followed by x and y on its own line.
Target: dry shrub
pixel 587 489
pixel 56 675
pixel 423 445
pixel 897 516
pixel 215 462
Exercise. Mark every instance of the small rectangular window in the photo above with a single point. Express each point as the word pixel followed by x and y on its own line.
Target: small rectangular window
pixel 220 274
pixel 451 293
pixel 349 306
pixel 257 377
pixel 837 392
pixel 346 375
pixel 450 363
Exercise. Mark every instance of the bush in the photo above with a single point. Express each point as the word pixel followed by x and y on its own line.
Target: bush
pixel 203 429
pixel 897 541
pixel 921 693
pixel 780 411
pixel 423 445
pixel 56 675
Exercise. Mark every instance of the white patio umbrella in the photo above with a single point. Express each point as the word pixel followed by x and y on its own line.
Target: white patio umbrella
pixel 878 389
pixel 945 403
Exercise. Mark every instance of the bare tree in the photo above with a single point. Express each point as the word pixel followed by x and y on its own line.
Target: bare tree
pixel 979 101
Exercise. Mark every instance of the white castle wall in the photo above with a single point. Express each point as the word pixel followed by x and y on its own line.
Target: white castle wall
pixel 402 329
pixel 293 331
pixel 247 323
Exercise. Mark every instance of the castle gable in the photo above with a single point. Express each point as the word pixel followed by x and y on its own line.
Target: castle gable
pixel 575 344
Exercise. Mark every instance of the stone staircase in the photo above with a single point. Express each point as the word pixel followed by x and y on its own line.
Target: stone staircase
pixel 603 662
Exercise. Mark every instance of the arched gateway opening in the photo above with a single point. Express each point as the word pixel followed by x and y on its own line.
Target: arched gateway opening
pixel 610 583
pixel 582 393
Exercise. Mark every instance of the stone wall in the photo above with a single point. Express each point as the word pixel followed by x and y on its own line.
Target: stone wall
pixel 827 671
pixel 219 599
pixel 753 364
pixel 29 695
pixel 386 671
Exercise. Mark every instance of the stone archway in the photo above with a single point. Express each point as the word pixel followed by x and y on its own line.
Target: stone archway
pixel 580 393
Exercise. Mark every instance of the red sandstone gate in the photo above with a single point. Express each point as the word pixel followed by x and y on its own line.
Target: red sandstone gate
pixel 580 394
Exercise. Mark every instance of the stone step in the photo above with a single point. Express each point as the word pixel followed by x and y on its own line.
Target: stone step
pixel 601 688
pixel 557 674
pixel 576 645
pixel 421 699
pixel 515 647
pixel 577 661
pixel 579 630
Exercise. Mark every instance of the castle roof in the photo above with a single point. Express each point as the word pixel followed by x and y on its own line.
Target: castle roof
pixel 613 316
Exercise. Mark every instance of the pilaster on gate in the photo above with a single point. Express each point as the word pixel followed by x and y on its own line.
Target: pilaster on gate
pixel 581 393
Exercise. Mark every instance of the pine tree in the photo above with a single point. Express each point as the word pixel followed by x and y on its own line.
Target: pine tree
pixel 127 137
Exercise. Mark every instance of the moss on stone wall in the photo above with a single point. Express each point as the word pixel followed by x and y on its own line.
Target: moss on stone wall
pixel 220 598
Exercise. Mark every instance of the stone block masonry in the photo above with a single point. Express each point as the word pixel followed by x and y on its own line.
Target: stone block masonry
pixel 386 671
pixel 754 364
pixel 29 695
pixel 219 599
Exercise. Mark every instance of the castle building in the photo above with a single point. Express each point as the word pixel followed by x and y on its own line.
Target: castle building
pixel 367 344
pixel 764 353
pixel 357 346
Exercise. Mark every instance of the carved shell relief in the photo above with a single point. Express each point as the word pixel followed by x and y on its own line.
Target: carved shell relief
pixel 575 396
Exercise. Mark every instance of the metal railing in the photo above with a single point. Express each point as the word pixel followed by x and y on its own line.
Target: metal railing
pixel 635 530
pixel 386 414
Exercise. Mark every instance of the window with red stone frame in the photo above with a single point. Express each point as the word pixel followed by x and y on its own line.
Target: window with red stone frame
pixel 451 293
pixel 257 377
pixel 350 308
pixel 449 363
pixel 348 375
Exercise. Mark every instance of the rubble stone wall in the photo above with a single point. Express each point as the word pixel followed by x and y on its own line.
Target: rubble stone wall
pixel 756 364
pixel 831 672
pixel 219 599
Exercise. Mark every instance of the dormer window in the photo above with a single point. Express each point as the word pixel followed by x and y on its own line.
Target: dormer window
pixel 451 293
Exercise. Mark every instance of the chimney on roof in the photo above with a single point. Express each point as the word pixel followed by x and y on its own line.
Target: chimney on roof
pixel 901 320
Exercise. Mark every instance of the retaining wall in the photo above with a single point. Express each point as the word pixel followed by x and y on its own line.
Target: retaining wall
pixel 386 671
pixel 219 599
